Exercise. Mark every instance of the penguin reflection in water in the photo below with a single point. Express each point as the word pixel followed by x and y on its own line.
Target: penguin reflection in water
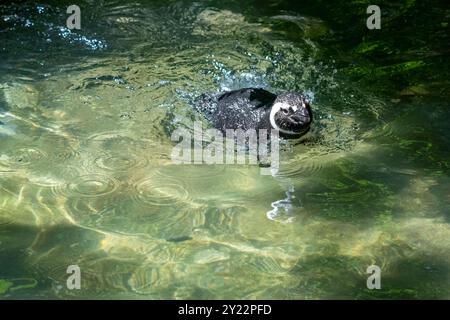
pixel 255 108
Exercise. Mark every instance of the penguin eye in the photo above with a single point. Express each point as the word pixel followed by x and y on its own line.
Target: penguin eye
pixel 285 111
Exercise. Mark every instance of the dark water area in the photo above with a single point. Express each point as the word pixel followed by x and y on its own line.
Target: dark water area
pixel 86 176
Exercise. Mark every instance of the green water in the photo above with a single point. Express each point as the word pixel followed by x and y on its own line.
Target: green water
pixel 86 176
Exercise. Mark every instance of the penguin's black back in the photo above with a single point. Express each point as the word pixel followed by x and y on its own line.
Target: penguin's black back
pixel 247 108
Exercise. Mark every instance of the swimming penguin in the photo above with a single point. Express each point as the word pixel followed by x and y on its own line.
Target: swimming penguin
pixel 255 108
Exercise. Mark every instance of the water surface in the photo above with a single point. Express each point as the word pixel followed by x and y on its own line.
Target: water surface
pixel 86 176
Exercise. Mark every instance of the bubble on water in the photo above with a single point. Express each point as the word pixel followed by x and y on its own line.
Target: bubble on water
pixel 72 37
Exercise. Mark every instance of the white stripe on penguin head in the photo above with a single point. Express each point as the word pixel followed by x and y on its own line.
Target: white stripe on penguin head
pixel 275 108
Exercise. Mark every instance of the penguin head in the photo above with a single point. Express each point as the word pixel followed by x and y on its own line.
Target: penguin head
pixel 291 114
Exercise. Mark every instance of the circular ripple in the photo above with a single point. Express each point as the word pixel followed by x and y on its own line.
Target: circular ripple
pixel 115 141
pixel 119 162
pixel 23 157
pixel 160 190
pixel 93 185
pixel 307 165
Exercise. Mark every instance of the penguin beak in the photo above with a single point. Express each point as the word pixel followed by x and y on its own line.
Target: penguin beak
pixel 301 116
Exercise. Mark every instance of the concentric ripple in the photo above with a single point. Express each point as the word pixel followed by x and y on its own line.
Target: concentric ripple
pixel 119 162
pixel 160 190
pixel 307 164
pixel 92 185
pixel 115 141
pixel 22 157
